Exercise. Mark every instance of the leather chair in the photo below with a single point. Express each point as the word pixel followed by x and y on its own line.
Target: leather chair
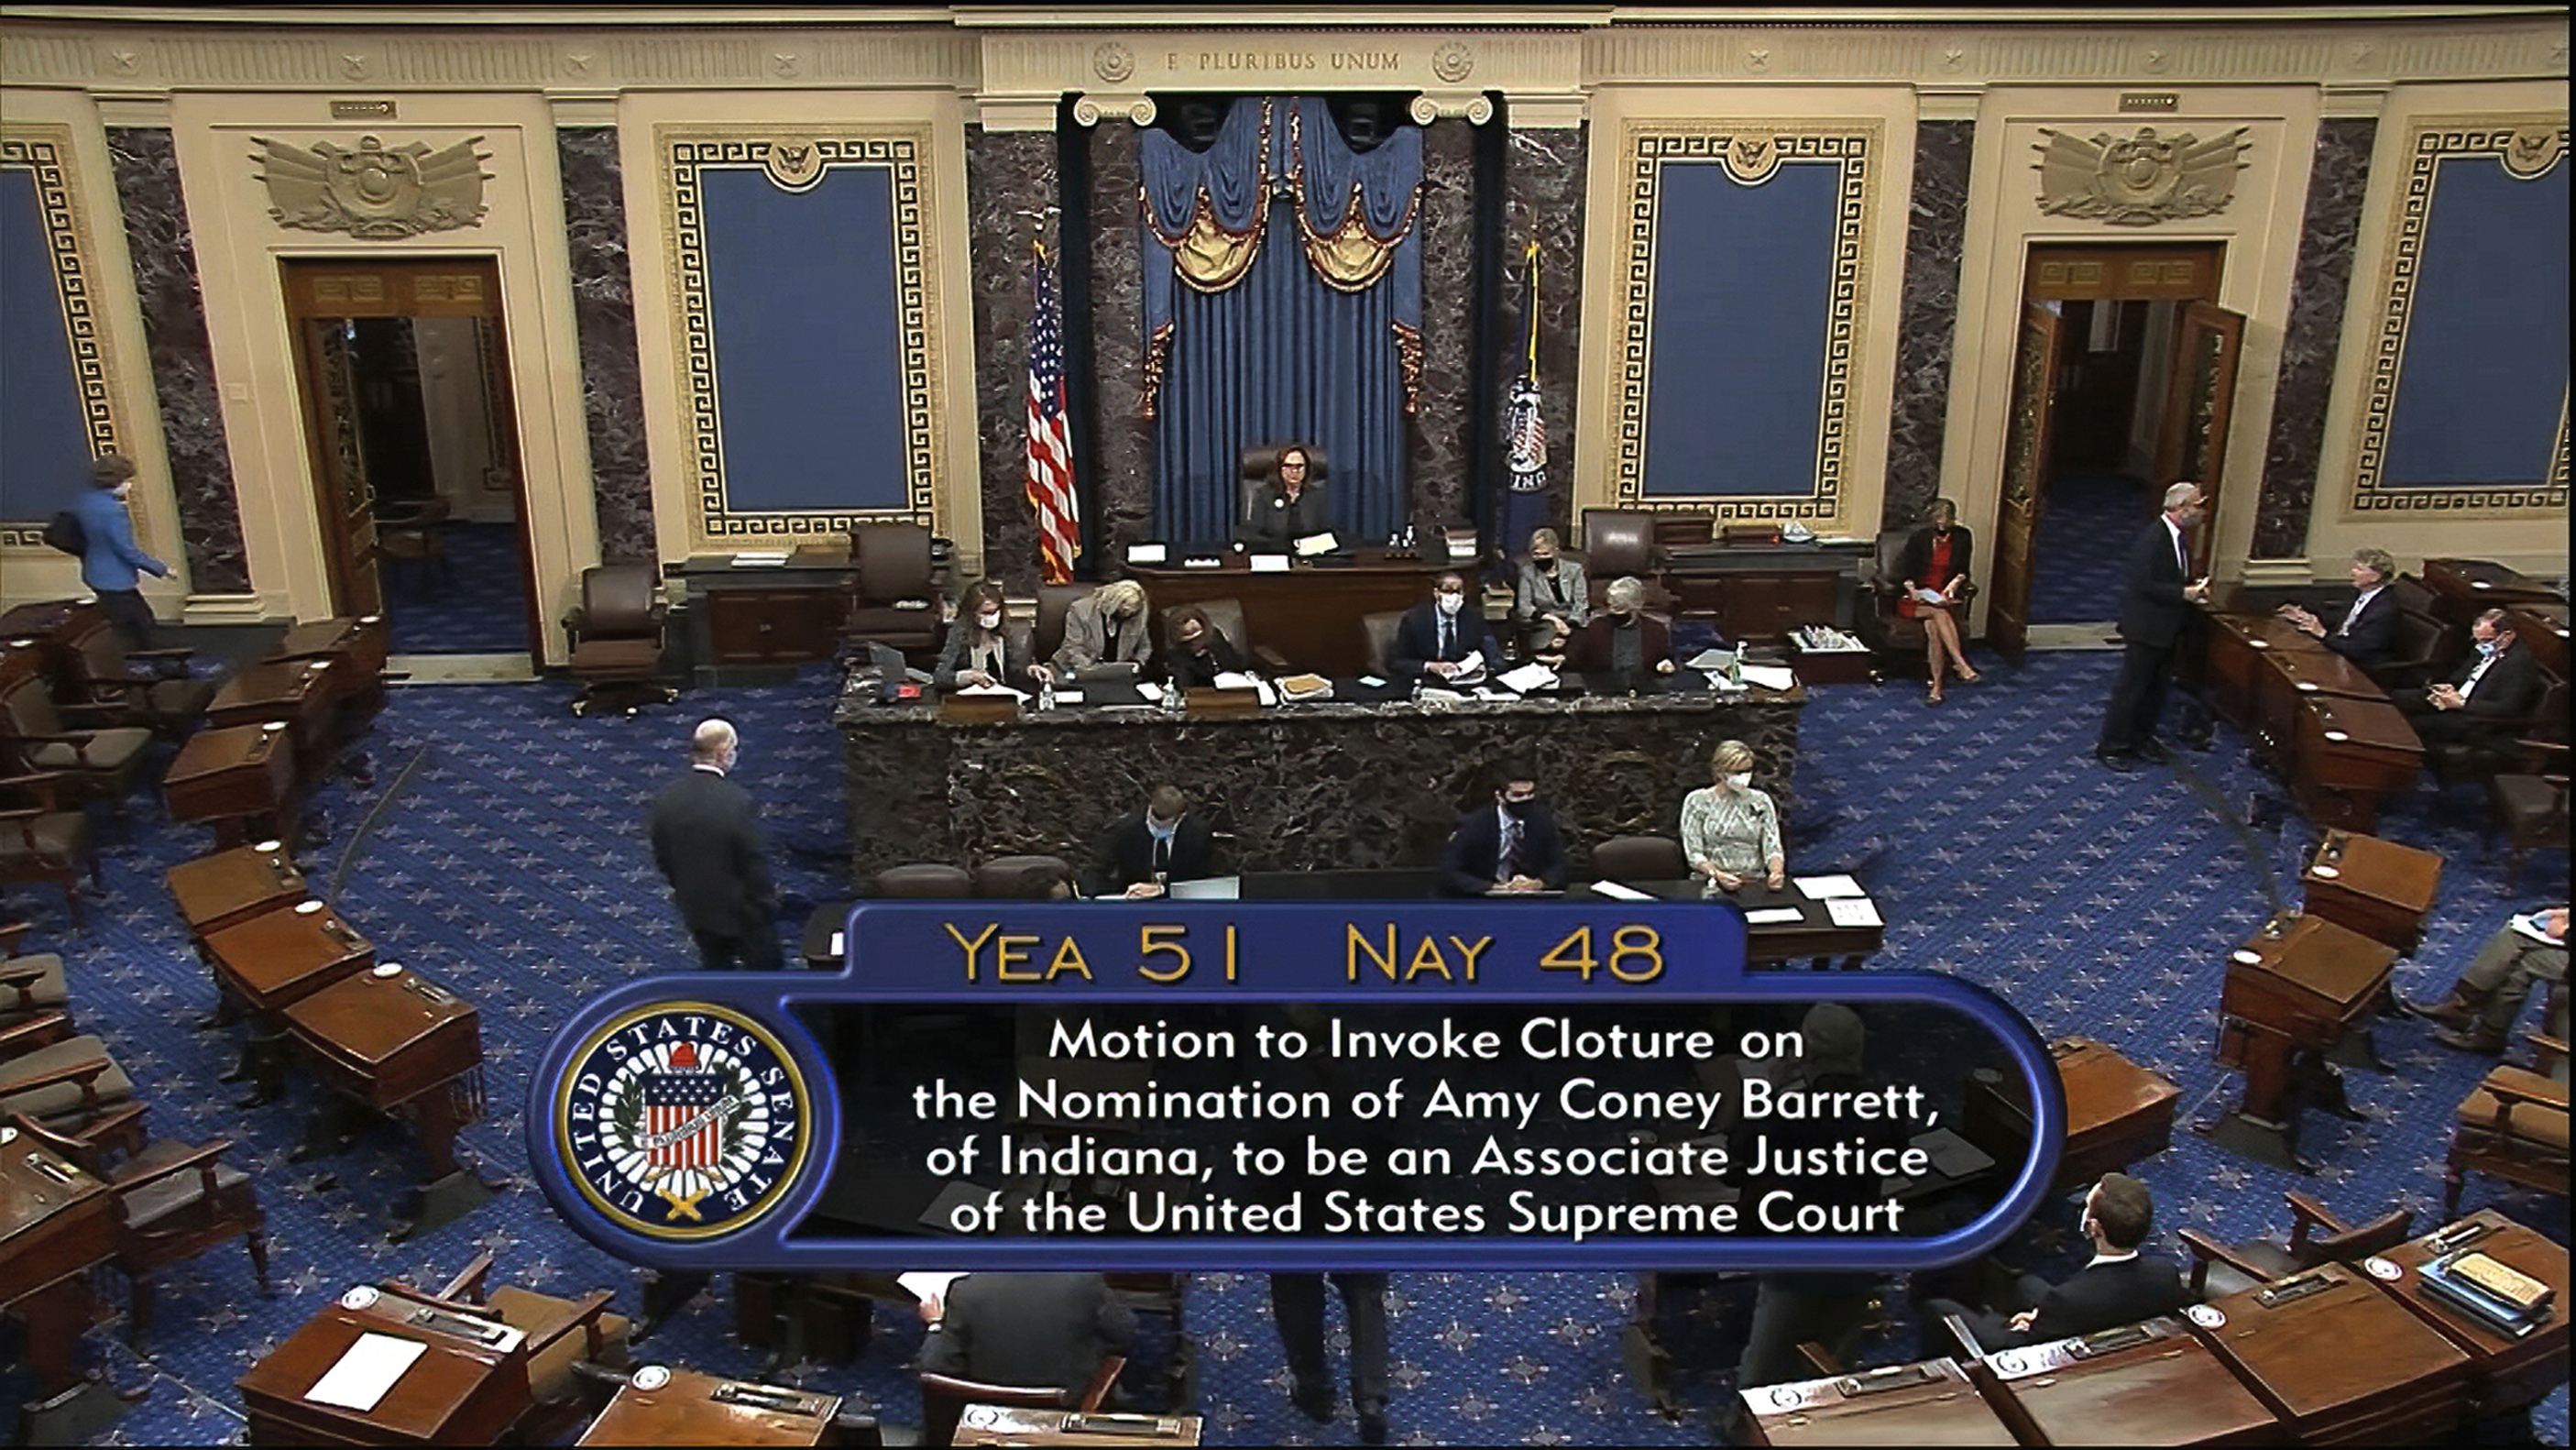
pixel 30 987
pixel 414 533
pixel 1896 642
pixel 1639 858
pixel 2528 808
pixel 1053 602
pixel 40 841
pixel 2511 1126
pixel 2423 642
pixel 2498 749
pixel 2317 1236
pixel 1252 469
pixel 926 881
pixel 1617 542
pixel 1225 616
pixel 173 1203
pixel 561 1333
pixel 944 1398
pixel 1380 630
pixel 69 1084
pixel 895 591
pixel 165 705
pixel 1022 878
pixel 617 638
pixel 92 757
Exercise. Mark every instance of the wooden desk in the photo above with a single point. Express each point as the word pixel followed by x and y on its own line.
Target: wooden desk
pixel 2463 589
pixel 467 1388
pixel 2320 722
pixel 354 647
pixel 1020 1425
pixel 232 779
pixel 230 887
pixel 685 1407
pixel 393 1040
pixel 2505 1373
pixel 56 1224
pixel 278 958
pixel 1312 615
pixel 299 693
pixel 2141 1384
pixel 2339 1361
pixel 2117 1113
pixel 769 617
pixel 2296 990
pixel 2347 756
pixel 1930 1403
pixel 45 631
pixel 2377 888
pixel 2542 629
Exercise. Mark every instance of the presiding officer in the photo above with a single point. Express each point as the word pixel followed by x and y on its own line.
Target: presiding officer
pixel 706 839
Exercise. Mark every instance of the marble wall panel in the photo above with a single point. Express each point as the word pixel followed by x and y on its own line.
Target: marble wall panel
pixel 1007 173
pixel 1440 446
pixel 1928 318
pixel 183 361
pixel 2329 231
pixel 612 391
pixel 1123 491
pixel 1543 184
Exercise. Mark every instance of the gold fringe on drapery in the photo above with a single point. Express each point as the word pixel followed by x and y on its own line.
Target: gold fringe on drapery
pixel 1408 363
pixel 1158 359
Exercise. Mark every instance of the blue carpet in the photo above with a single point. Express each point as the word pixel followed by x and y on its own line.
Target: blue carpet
pixel 476 605
pixel 516 870
pixel 2084 536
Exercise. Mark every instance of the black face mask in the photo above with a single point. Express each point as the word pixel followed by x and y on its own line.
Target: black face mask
pixel 1547 565
pixel 1622 618
pixel 1519 810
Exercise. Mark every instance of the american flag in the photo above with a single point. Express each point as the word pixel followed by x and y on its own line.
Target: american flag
pixel 674 1097
pixel 1050 486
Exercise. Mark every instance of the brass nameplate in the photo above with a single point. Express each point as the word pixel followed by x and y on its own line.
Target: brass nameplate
pixel 362 110
pixel 2160 101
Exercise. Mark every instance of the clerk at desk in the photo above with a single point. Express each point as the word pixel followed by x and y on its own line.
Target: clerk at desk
pixel 1443 639
pixel 1509 848
pixel 1025 1329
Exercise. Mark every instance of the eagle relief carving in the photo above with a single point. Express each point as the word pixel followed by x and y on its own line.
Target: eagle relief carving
pixel 371 190
pixel 2139 180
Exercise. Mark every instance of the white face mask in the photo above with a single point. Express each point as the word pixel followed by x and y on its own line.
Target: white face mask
pixel 989 621
pixel 1449 603
pixel 1741 780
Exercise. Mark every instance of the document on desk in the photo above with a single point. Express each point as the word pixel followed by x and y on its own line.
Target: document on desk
pixel 989 692
pixel 1819 888
pixel 365 1372
pixel 1617 892
pixel 838 944
pixel 1774 916
pixel 925 1285
pixel 1314 544
pixel 1710 661
pixel 1146 553
pixel 1530 677
pixel 1269 563
pixel 1152 692
pixel 1853 911
pixel 1770 677
pixel 1236 680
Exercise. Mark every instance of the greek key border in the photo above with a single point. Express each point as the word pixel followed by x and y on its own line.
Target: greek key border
pixel 2430 141
pixel 1852 147
pixel 44 150
pixel 686 152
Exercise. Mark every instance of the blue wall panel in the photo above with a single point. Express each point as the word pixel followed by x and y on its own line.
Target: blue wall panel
pixel 2485 373
pixel 802 294
pixel 44 444
pixel 1743 291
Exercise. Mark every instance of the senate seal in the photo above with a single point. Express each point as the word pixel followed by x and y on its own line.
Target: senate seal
pixel 682 1120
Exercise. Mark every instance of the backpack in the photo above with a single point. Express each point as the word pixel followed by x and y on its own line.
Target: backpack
pixel 65 533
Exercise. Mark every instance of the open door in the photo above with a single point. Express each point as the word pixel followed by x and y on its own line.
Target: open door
pixel 346 497
pixel 2025 477
pixel 2200 398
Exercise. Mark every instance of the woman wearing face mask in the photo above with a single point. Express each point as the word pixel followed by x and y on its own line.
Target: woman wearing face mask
pixel 980 651
pixel 1552 599
pixel 1936 570
pixel 1730 831
pixel 113 560
pixel 1108 628
pixel 1624 638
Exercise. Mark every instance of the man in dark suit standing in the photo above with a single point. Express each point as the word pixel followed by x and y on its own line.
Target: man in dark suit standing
pixel 1145 852
pixel 2367 632
pixel 1510 848
pixel 2119 1286
pixel 2155 612
pixel 2495 688
pixel 1025 1329
pixel 706 839
pixel 1444 639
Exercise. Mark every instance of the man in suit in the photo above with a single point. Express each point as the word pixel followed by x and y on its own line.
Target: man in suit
pixel 2367 632
pixel 1025 1329
pixel 1105 627
pixel 1510 848
pixel 2155 613
pixel 1151 848
pixel 1290 506
pixel 1297 1308
pixel 1624 640
pixel 706 839
pixel 2120 1285
pixel 2494 689
pixel 2478 1013
pixel 1444 639
pixel 1552 598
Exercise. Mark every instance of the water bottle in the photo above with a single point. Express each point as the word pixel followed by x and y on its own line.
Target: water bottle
pixel 1046 694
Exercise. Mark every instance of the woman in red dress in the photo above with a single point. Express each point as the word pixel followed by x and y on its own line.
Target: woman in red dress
pixel 1937 559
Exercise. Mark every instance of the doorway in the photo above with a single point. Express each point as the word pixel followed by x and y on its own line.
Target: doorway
pixel 414 447
pixel 2122 381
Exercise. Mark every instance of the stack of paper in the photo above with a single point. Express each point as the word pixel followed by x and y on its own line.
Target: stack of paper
pixel 365 1372
pixel 1853 911
pixel 1236 680
pixel 1770 677
pixel 1145 553
pixel 1530 677
pixel 1305 687
pixel 1820 888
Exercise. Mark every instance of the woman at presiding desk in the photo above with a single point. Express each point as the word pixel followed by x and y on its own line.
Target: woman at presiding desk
pixel 980 651
pixel 1290 506
pixel 1730 831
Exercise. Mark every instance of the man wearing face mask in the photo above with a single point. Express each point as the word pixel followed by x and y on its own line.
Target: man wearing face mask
pixel 1107 628
pixel 1552 599
pixel 1509 848
pixel 2498 685
pixel 2154 614
pixel 1200 651
pixel 113 561
pixel 1144 853
pixel 1624 641
pixel 706 839
pixel 1444 639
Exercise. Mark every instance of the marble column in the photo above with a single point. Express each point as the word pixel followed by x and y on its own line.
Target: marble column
pixel 1927 319
pixel 183 361
pixel 2337 177
pixel 1123 491
pixel 1543 182
pixel 1440 444
pixel 612 390
pixel 1007 173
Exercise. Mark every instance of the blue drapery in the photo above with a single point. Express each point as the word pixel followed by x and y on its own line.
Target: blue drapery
pixel 1286 327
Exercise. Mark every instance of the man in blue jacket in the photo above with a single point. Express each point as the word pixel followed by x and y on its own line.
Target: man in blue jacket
pixel 112 561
